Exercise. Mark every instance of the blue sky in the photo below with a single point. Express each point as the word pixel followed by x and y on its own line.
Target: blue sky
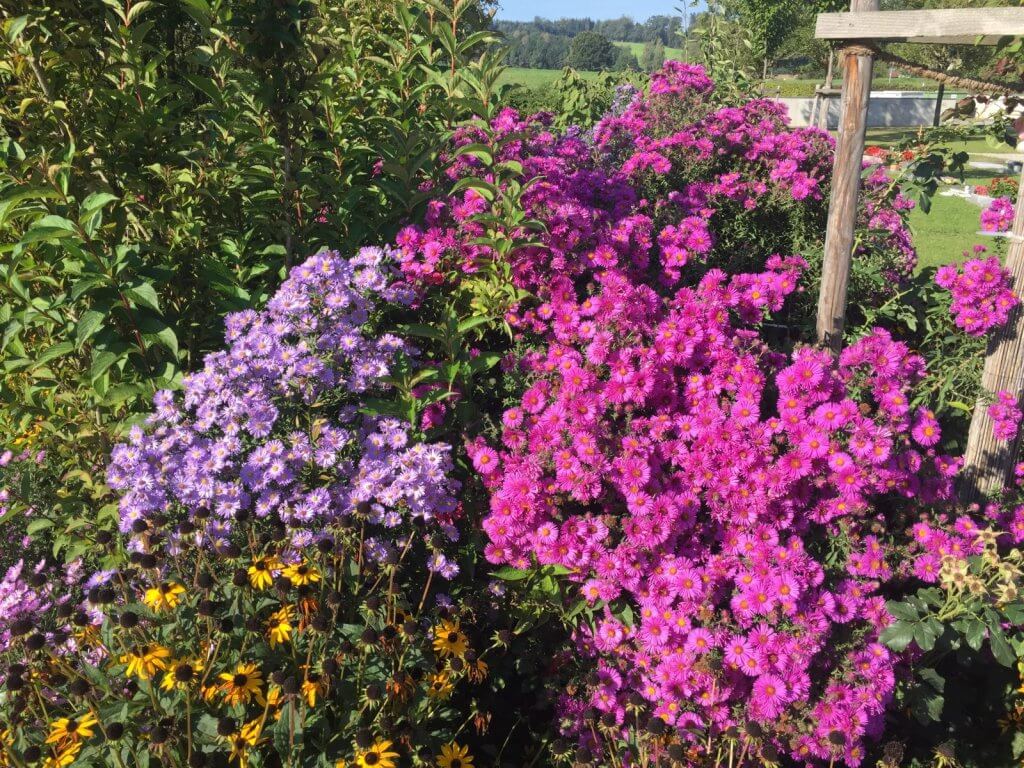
pixel 640 10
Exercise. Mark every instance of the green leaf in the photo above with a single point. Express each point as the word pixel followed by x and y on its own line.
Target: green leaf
pixel 480 151
pixel 426 331
pixel 902 611
pixel 933 678
pixel 120 393
pixel 144 295
pixel 101 361
pixel 473 322
pixel 484 362
pixel 14 27
pixel 975 634
pixel 1000 648
pixel 924 636
pixel 897 635
pixel 88 324
pixel 53 352
pixel 97 201
pixel 37 525
pixel 511 574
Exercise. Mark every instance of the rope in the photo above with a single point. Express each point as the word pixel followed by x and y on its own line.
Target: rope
pixel 948 78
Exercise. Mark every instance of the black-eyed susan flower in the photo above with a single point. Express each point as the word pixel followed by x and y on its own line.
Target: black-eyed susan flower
pixel 180 674
pixel 245 683
pixel 476 671
pixel 63 756
pixel 301 574
pixel 279 630
pixel 313 686
pixel 449 640
pixel 71 729
pixel 145 661
pixel 164 596
pixel 454 756
pixel 243 740
pixel 6 742
pixel 378 755
pixel 261 572
pixel 440 686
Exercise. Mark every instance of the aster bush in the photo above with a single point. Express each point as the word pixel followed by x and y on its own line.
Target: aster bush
pixel 291 594
pixel 554 479
pixel 724 514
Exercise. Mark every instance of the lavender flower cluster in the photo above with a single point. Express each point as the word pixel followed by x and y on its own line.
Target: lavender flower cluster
pixel 271 426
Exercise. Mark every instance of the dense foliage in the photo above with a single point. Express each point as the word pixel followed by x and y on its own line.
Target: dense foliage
pixel 162 165
pixel 555 477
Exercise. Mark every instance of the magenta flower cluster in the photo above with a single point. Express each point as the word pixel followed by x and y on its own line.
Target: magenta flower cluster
pixel 231 445
pixel 671 462
pixel 1006 415
pixel 982 295
pixel 998 217
pixel 683 473
pixel 662 183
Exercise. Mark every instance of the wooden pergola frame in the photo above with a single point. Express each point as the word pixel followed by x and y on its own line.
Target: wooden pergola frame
pixel 988 462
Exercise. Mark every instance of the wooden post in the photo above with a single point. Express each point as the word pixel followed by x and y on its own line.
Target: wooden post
pixel 988 463
pixel 842 211
pixel 938 105
pixel 825 101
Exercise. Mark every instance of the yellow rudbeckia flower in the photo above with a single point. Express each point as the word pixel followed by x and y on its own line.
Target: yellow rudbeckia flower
pixel 449 640
pixel 71 729
pixel 164 596
pixel 301 574
pixel 379 755
pixel 63 757
pixel 280 628
pixel 261 572
pixel 245 683
pixel 145 661
pixel 243 740
pixel 454 756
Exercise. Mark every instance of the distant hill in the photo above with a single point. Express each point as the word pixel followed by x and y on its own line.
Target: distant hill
pixel 544 43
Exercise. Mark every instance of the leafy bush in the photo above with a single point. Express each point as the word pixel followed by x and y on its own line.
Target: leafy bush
pixel 591 51
pixel 162 165
pixel 293 594
pixel 669 459
pixel 554 479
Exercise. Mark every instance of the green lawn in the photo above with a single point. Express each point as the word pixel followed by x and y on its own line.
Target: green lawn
pixel 976 146
pixel 638 49
pixel 535 78
pixel 949 229
pixel 952 225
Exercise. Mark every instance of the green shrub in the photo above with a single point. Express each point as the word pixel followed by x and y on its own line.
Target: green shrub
pixel 163 164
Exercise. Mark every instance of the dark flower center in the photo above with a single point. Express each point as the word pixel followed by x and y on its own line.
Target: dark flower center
pixel 72 726
pixel 240 680
pixel 261 566
pixel 456 763
pixel 453 636
pixel 372 758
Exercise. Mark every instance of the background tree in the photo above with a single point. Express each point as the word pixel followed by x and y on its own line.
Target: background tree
pixel 765 24
pixel 653 56
pixel 625 60
pixel 591 51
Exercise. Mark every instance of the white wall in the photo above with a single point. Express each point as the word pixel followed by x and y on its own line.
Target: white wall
pixel 894 109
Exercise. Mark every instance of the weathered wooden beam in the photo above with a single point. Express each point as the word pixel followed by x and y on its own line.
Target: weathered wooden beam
pixel 989 463
pixel 951 26
pixel 842 211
